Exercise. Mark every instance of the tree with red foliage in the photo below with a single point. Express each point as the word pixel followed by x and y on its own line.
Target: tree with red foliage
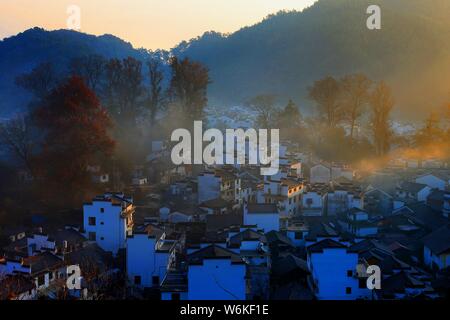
pixel 75 128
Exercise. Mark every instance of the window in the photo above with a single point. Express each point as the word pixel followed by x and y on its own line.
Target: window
pixel 92 236
pixel 348 290
pixel 41 280
pixel 155 280
pixel 102 223
pixel 176 297
pixel 349 273
pixel 362 283
pixel 92 221
pixel 102 238
pixel 102 210
pixel 137 280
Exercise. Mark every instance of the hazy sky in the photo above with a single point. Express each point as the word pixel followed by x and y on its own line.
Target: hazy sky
pixel 145 23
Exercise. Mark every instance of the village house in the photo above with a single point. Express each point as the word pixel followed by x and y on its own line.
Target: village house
pixel 44 269
pixel 313 200
pixel 252 247
pixel 284 191
pixel 412 191
pixel 357 222
pixel 436 252
pixel 215 206
pixel 40 242
pixel 219 184
pixel 342 171
pixel 339 282
pixel 263 215
pixel 108 219
pixel 343 197
pixel 320 173
pixel 147 257
pixel 378 202
pixel 434 180
pixel 214 273
pixel 405 285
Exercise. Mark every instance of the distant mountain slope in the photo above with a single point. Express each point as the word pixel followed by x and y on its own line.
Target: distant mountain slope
pixel 19 54
pixel 283 54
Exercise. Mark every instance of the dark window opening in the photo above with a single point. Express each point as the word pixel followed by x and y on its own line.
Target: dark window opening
pixel 362 283
pixel 176 297
pixel 155 280
pixel 92 236
pixel 348 290
pixel 92 221
pixel 41 280
pixel 137 280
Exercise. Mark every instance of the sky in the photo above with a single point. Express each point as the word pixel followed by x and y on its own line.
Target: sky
pixel 151 24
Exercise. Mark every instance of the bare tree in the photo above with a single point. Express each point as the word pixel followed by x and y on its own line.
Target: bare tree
pixel 17 136
pixel 381 103
pixel 156 96
pixel 326 93
pixel 91 68
pixel 355 96
pixel 188 87
pixel 39 81
pixel 431 132
pixel 124 88
pixel 265 107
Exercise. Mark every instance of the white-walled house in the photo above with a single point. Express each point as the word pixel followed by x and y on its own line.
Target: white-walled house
pixel 341 200
pixel 357 222
pixel 434 181
pixel 219 184
pixel 147 258
pixel 215 273
pixel 320 173
pixel 43 268
pixel 108 219
pixel 40 242
pixel 342 171
pixel 264 215
pixel 413 191
pixel 283 190
pixel 379 202
pixel 437 248
pixel 333 268
pixel 313 200
pixel 312 204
